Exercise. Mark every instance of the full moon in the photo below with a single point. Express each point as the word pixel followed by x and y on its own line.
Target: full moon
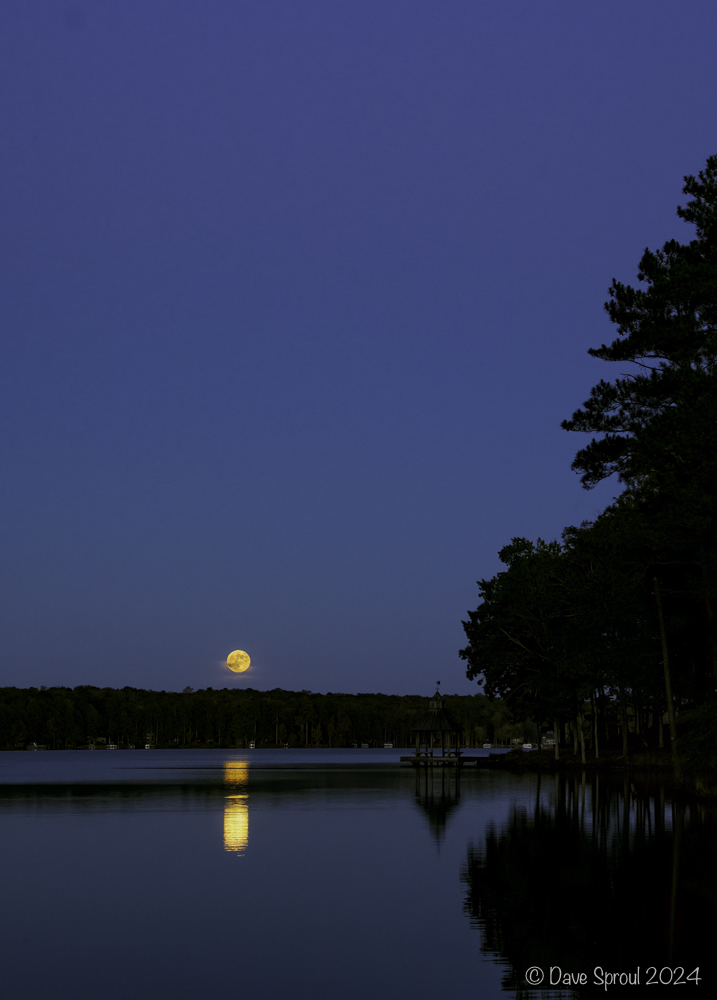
pixel 238 661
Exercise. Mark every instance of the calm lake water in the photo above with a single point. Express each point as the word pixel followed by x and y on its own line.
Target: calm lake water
pixel 339 874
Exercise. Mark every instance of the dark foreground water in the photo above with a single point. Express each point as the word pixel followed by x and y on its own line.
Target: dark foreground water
pixel 338 874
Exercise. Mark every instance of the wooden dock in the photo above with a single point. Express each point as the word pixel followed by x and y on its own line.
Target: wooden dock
pixel 424 761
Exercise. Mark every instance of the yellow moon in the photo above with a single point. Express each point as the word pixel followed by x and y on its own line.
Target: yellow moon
pixel 238 661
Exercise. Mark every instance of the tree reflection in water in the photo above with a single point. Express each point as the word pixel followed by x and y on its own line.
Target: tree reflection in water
pixel 597 873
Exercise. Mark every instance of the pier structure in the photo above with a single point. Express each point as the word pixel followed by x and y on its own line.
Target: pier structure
pixel 438 737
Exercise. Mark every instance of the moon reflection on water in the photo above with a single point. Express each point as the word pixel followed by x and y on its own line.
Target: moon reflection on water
pixel 236 808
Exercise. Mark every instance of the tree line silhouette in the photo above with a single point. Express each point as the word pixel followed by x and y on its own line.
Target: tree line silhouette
pixel 608 635
pixel 65 718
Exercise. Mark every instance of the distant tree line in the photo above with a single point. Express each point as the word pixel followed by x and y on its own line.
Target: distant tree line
pixel 608 635
pixel 62 717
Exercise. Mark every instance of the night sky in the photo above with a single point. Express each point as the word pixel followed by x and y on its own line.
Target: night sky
pixel 294 296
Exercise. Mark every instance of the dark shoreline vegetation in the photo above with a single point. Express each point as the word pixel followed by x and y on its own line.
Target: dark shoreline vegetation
pixel 608 637
pixel 62 718
pixel 69 718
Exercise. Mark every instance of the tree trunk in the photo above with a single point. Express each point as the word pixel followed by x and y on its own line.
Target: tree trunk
pixel 556 734
pixel 623 720
pixel 710 620
pixel 595 726
pixel 668 681
pixel 582 737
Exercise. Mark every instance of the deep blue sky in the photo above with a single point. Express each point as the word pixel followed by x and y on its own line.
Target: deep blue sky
pixel 293 298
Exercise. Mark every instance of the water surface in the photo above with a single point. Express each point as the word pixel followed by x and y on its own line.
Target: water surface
pixel 325 874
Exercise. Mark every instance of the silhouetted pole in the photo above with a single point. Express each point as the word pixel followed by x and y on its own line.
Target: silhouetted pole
pixel 666 668
pixel 582 736
pixel 710 617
